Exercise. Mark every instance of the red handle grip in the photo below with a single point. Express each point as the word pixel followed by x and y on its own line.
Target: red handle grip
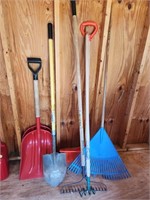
pixel 89 23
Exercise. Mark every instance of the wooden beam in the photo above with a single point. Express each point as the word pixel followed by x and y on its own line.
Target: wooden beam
pixel 106 37
pixel 137 147
pixel 57 66
pixel 105 32
pixel 99 85
pixel 9 72
pixel 135 86
pixel 2 135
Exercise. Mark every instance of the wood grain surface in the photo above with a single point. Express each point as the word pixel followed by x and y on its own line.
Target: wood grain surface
pixel 26 27
pixel 136 187
pixel 139 130
pixel 11 82
pixel 26 24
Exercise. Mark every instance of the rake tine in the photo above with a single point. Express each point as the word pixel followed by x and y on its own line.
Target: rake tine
pixel 67 190
pixel 120 166
pixel 76 189
pixel 112 167
pixel 73 189
pixel 81 187
pixel 93 191
pixel 96 188
pixel 84 192
pixel 62 191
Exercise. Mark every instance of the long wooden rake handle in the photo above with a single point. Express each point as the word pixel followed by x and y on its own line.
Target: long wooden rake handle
pixel 88 38
pixel 104 91
pixel 78 74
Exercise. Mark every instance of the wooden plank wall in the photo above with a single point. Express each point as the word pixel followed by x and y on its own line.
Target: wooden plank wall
pixel 26 27
pixel 128 21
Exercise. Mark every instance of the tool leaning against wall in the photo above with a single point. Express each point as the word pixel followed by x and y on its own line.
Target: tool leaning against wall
pixel 85 185
pixel 54 165
pixel 105 160
pixel 37 141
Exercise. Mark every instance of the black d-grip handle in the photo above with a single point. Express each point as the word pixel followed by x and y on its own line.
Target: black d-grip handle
pixel 50 31
pixel 36 70
pixel 73 7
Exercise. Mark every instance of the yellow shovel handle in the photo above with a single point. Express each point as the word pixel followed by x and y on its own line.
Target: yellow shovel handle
pixel 52 77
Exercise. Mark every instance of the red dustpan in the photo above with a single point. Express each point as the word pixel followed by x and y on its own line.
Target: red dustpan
pixel 37 141
pixel 4 171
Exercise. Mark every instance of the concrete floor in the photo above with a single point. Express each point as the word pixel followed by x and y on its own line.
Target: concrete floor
pixel 136 187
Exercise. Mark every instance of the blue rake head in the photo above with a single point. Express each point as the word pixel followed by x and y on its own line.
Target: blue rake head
pixel 105 160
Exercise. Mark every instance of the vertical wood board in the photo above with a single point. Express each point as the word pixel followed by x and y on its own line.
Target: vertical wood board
pixel 28 38
pixel 126 31
pixel 86 10
pixel 26 27
pixel 139 130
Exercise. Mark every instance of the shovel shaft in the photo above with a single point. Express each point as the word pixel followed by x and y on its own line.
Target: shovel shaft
pixel 54 146
pixel 36 99
pixel 51 59
pixel 31 62
pixel 37 112
pixel 37 108
pixel 52 84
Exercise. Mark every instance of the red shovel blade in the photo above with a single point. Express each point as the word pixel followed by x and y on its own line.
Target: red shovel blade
pixel 31 165
pixel 32 128
pixel 3 161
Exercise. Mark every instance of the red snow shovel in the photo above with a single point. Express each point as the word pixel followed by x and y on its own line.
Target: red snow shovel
pixel 4 172
pixel 32 128
pixel 37 141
